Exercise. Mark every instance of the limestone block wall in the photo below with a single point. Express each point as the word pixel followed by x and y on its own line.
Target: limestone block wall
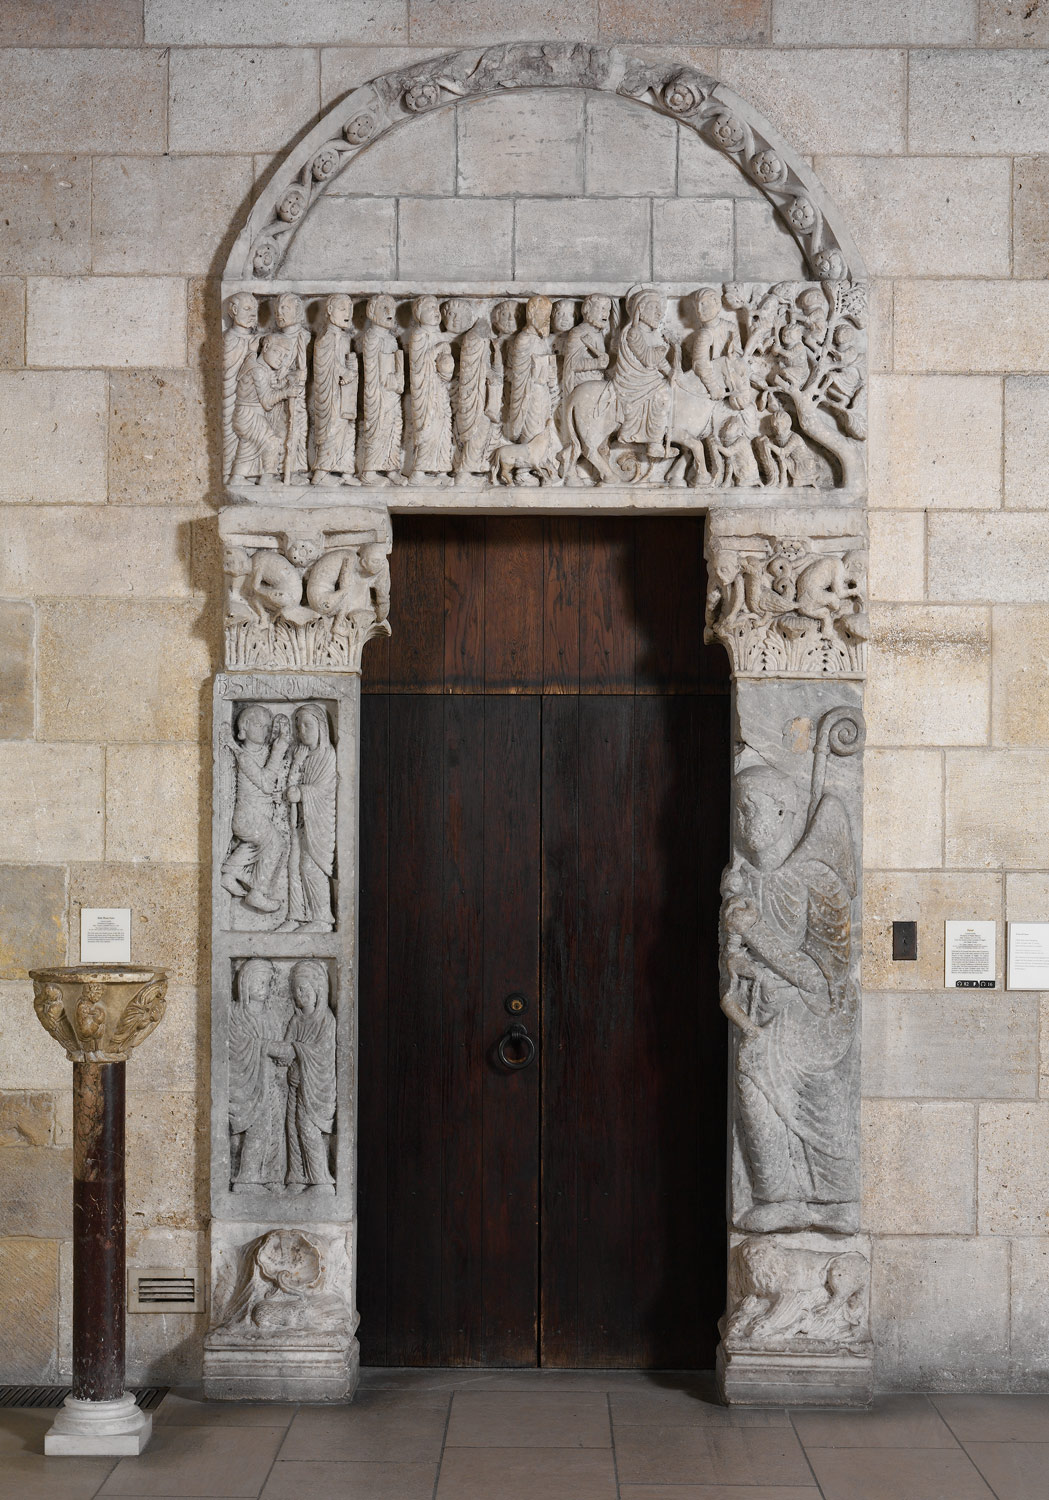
pixel 133 138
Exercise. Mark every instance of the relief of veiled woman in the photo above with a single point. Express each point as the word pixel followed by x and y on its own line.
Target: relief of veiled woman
pixel 311 793
pixel 311 1078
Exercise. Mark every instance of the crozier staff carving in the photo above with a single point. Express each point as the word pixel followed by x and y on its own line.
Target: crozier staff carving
pixel 284 1288
pixel 788 605
pixel 735 386
pixel 789 986
pixel 783 1296
pixel 282 1078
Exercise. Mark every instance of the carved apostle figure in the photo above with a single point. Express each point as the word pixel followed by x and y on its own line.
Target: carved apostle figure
pixel 311 794
pixel 239 342
pixel 784 455
pixel 583 353
pixel 642 373
pixel 292 339
pixel 715 347
pixel 333 400
pixel 266 389
pixel 791 991
pixel 475 392
pixel 259 750
pixel 254 1097
pixel 430 367
pixel 533 377
pixel 381 424
pixel 311 1078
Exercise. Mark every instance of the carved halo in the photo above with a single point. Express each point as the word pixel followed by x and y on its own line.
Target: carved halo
pixel 713 111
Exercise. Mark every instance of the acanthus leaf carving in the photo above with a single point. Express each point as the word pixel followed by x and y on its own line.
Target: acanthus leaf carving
pixel 99 1014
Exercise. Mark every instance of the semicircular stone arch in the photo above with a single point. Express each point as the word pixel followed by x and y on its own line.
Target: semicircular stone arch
pixel 532 172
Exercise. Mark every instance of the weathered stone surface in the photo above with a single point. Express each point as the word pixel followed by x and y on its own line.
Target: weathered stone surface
pixel 1005 326
pixel 1012 23
pixel 685 20
pixel 237 99
pixel 341 232
pixel 852 23
pixel 1026 442
pixel 32 918
pixel 1026 897
pixel 936 441
pixel 36 1195
pixel 1029 1297
pixel 116 551
pixel 106 320
pixel 997 803
pixel 939 1312
pixel 135 201
pixel 902 796
pixel 441 23
pixel 158 437
pixel 165 1171
pixel 765 248
pixel 896 565
pixel 1014 1168
pixel 165 1351
pixel 692 238
pixel 57 23
pixel 12 323
pixel 165 905
pixel 469 238
pixel 344 69
pixel 53 801
pixel 985 557
pixel 111 670
pixel 930 898
pixel 29 1058
pixel 630 150
pixel 930 680
pixel 82 99
pixel 52 435
pixel 26 1119
pixel 831 100
pixel 165 826
pixel 46 227
pixel 919 216
pixel 416 159
pixel 978 101
pixel 273 22
pixel 879 339
pixel 530 141
pixel 705 172
pixel 605 239
pixel 960 1044
pixel 1021 688
pixel 918 1167
pixel 17 675
pixel 29 1309
pixel 1031 216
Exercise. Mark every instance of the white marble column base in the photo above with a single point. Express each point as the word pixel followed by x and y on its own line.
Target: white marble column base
pixel 110 1428
pixel 765 1378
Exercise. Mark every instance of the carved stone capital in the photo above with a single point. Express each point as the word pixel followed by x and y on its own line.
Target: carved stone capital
pixel 99 1012
pixel 306 587
pixel 788 602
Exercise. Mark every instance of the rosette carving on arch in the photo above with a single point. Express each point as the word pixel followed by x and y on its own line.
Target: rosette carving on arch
pixel 694 99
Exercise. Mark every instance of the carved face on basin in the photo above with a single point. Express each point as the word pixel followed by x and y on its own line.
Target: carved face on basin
pixel 764 814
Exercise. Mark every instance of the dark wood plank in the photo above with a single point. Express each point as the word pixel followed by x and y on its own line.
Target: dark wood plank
pixel 606 625
pixel 510 1288
pixel 373 1007
pixel 463 1060
pixel 513 591
pixel 668 598
pixel 417 605
pixel 464 604
pixel 561 605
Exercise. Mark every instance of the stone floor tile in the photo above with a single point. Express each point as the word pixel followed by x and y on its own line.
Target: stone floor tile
pixel 192 1461
pixel 893 1422
pixel 378 1427
pixel 688 1406
pixel 516 1380
pixel 22 1430
pixel 525 1474
pixel 33 1477
pixel 189 1409
pixel 709 1455
pixel 718 1492
pixel 996 1419
pixel 320 1480
pixel 897 1474
pixel 554 1419
pixel 1015 1471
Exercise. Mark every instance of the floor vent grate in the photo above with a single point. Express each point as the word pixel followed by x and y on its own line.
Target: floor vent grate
pixel 148 1396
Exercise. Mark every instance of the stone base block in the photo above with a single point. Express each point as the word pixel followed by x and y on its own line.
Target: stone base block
pixel 108 1429
pixel 790 1379
pixel 327 1370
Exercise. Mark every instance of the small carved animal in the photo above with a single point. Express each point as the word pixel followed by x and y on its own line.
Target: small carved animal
pixel 536 455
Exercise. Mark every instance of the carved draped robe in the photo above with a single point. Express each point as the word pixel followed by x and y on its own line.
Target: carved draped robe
pixel 796 1080
pixel 380 443
pixel 641 385
pixel 313 838
pixel 334 401
pixel 533 386
pixel 474 431
pixel 431 411
pixel 311 1095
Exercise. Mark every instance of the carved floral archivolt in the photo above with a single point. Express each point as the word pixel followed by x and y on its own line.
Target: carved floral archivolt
pixel 729 386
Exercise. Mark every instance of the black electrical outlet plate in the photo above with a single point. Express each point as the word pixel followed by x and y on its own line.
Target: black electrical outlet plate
pixel 904 940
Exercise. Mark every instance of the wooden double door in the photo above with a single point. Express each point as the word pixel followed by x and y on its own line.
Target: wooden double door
pixel 544 807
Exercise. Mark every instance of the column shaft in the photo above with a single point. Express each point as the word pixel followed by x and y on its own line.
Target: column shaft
pixel 99 1228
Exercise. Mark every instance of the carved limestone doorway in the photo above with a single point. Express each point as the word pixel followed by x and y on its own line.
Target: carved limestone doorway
pixel 631 338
